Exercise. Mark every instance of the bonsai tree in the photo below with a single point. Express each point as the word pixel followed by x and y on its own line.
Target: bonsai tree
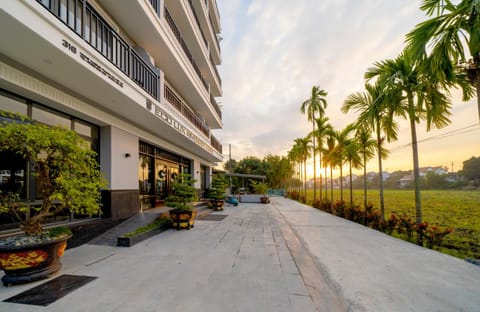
pixel 260 188
pixel 183 193
pixel 216 193
pixel 65 167
pixel 217 188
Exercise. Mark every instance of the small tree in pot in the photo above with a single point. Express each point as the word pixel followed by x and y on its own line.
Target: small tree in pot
pixel 261 188
pixel 216 193
pixel 183 193
pixel 69 178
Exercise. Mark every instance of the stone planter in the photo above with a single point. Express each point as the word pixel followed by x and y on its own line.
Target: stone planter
pixel 24 264
pixel 264 200
pixel 123 241
pixel 183 219
pixel 217 204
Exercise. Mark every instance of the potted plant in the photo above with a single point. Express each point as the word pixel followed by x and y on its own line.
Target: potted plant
pixel 68 178
pixel 261 188
pixel 216 193
pixel 183 193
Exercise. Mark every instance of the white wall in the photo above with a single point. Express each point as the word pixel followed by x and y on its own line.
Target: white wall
pixel 120 170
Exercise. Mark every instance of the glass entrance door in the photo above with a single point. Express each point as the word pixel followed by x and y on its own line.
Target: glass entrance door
pixel 165 173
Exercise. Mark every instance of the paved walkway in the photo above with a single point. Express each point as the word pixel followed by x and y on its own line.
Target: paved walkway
pixel 282 256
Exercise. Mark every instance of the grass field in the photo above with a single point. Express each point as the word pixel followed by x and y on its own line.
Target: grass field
pixel 459 210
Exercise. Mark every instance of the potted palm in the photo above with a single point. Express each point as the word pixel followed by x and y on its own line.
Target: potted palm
pixel 216 193
pixel 183 193
pixel 261 188
pixel 68 179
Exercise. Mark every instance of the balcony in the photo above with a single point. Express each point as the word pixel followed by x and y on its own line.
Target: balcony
pixel 176 102
pixel 82 18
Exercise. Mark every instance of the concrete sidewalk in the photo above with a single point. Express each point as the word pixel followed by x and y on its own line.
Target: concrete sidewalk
pixel 282 256
pixel 376 272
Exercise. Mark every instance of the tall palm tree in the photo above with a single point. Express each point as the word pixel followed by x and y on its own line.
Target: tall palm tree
pixel 352 156
pixel 323 126
pixel 329 159
pixel 342 138
pixel 450 37
pixel 295 157
pixel 376 108
pixel 423 99
pixel 317 103
pixel 304 149
pixel 367 150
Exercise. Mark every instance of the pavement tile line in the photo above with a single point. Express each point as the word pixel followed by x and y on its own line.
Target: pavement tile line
pixel 325 294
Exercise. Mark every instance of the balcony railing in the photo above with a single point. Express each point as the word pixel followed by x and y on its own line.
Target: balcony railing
pixel 215 106
pixel 184 46
pixel 216 144
pixel 83 19
pixel 173 99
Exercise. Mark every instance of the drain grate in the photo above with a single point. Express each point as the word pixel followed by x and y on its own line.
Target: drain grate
pixel 212 217
pixel 51 291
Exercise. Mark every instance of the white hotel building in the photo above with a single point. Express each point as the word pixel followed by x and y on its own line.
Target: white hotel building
pixel 137 78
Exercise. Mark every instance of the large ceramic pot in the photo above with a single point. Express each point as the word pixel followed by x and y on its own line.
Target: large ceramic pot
pixel 183 219
pixel 217 204
pixel 24 264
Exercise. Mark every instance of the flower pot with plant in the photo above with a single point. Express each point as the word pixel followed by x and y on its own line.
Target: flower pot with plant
pixel 183 193
pixel 68 178
pixel 261 188
pixel 216 193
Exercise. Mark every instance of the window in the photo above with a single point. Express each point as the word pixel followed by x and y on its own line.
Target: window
pixel 11 103
pixel 50 118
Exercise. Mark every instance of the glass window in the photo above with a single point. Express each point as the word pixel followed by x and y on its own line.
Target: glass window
pixel 12 104
pixel 50 118
pixel 82 129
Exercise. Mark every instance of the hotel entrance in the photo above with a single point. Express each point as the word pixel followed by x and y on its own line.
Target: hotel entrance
pixel 165 175
pixel 156 172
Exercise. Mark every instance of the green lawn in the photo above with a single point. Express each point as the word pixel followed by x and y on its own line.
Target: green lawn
pixel 459 210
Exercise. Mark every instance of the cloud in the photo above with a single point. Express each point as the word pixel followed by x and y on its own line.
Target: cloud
pixel 274 51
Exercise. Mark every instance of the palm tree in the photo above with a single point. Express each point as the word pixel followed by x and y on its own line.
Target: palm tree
pixel 450 37
pixel 367 150
pixel 341 138
pixel 423 99
pixel 329 159
pixel 376 109
pixel 304 149
pixel 315 104
pixel 352 156
pixel 320 133
pixel 295 158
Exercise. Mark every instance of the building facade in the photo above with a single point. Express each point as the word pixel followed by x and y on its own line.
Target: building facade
pixel 138 79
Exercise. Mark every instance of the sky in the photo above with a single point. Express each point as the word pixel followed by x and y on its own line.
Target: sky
pixel 274 51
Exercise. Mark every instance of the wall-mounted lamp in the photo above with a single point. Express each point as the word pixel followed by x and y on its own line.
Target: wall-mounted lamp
pixel 127 155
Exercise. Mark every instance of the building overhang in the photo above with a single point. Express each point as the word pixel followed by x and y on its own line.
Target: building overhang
pixel 45 48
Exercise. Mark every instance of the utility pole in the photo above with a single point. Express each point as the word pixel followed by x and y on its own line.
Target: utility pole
pixel 230 165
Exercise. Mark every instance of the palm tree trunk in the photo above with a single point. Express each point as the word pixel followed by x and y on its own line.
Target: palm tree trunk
pixel 364 187
pixel 351 187
pixel 478 92
pixel 320 186
pixel 326 185
pixel 341 182
pixel 305 180
pixel 314 163
pixel 416 169
pixel 331 188
pixel 380 172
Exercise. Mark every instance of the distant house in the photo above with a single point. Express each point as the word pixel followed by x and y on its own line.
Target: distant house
pixel 436 170
pixel 406 180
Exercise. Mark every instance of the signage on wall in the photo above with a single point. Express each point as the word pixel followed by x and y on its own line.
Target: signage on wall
pixel 92 63
pixel 169 120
